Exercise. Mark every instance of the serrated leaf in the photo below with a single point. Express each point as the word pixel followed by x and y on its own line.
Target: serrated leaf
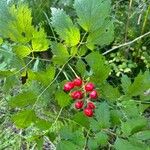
pixel 115 117
pixel 42 124
pixel 40 41
pixel 100 69
pixel 81 67
pixel 64 27
pixel 81 119
pixel 142 135
pixel 82 51
pixel 125 83
pixel 23 99
pixel 132 126
pixel 140 85
pixel 21 50
pixel 102 114
pixel 101 138
pixel 67 145
pixel 62 98
pixel 24 118
pixel 16 23
pixel 92 144
pixel 44 77
pixel 130 108
pixel 60 52
pixel 94 125
pixel 102 36
pixel 121 144
pixel 93 17
pixel 10 82
pixel 109 92
pixel 92 13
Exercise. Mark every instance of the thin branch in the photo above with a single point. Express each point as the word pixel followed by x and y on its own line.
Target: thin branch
pixel 73 71
pixel 61 69
pixel 126 44
pixel 50 26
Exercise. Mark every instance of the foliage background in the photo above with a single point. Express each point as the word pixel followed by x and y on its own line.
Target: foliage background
pixel 36 62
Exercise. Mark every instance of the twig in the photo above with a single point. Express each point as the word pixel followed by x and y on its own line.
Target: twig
pixel 51 82
pixel 73 71
pixel 126 44
pixel 50 26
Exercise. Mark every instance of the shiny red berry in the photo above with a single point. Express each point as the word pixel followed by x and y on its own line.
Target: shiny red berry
pixel 79 104
pixel 88 112
pixel 91 105
pixel 89 87
pixel 68 86
pixel 77 95
pixel 77 82
pixel 93 94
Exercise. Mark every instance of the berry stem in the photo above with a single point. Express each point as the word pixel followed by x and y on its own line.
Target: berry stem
pixel 73 71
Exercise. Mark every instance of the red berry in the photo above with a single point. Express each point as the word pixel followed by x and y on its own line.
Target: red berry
pixel 89 87
pixel 79 104
pixel 68 86
pixel 77 95
pixel 91 105
pixel 88 112
pixel 77 82
pixel 93 94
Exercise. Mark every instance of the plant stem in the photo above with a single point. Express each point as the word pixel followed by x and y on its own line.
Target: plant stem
pixel 126 44
pixel 73 71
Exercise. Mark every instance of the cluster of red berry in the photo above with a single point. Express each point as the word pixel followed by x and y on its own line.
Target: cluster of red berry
pixel 84 93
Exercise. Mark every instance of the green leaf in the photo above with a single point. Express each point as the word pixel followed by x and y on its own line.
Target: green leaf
pixel 76 136
pixel 102 36
pixel 16 23
pixel 43 124
pixel 100 69
pixel 121 144
pixel 40 142
pixel 125 83
pixel 1 41
pixel 44 77
pixel 64 27
pixel 94 125
pixel 40 41
pixel 102 114
pixel 10 82
pixel 5 73
pixel 140 85
pixel 102 138
pixel 130 108
pixel 82 51
pixel 109 92
pixel 66 145
pixel 92 13
pixel 81 119
pixel 92 144
pixel 81 67
pixel 23 99
pixel 21 50
pixel 60 52
pixel 115 117
pixel 132 126
pixel 142 135
pixel 93 17
pixel 24 118
pixel 62 98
